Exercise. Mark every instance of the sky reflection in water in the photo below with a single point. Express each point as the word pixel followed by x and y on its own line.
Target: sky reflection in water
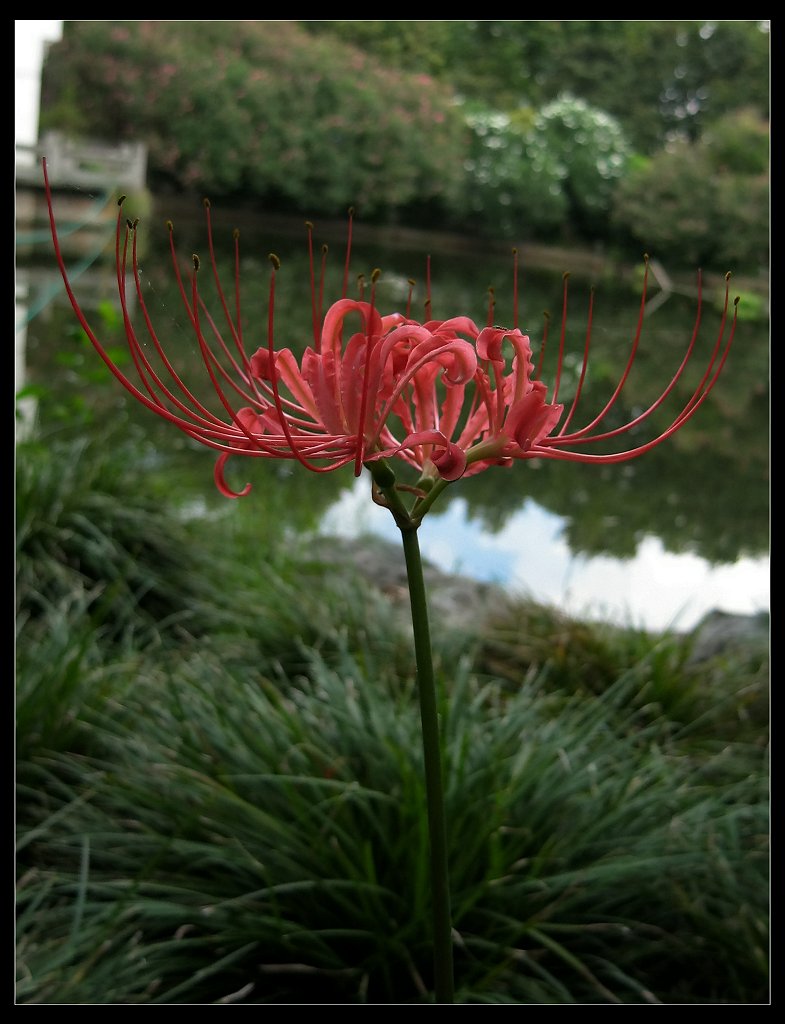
pixel 655 590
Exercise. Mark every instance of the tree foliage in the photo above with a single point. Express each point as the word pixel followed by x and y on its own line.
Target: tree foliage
pixel 263 108
pixel 655 77
pixel 704 202
pixel 652 133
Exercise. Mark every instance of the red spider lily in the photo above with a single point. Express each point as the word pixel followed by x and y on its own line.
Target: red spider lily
pixel 440 395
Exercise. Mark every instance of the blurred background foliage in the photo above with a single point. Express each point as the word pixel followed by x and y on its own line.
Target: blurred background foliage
pixel 623 133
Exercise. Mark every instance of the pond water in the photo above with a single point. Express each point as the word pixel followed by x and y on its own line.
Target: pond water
pixel 655 542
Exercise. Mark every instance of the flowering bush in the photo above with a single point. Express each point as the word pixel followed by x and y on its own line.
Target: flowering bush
pixel 514 183
pixel 260 108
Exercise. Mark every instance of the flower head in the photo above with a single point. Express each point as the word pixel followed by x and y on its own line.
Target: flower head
pixel 446 396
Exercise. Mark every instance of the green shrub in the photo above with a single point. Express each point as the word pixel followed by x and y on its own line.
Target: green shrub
pixel 591 152
pixel 514 182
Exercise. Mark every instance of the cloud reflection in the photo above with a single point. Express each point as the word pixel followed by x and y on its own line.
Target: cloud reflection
pixel 655 589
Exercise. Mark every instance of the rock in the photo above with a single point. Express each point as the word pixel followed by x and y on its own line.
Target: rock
pixel 718 632
pixel 454 601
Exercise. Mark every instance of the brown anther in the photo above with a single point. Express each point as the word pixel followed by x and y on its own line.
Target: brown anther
pixel 375 275
pixel 274 260
pixel 197 261
pixel 121 200
pixel 206 203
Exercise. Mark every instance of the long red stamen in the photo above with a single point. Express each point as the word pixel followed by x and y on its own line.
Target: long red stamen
pixel 274 375
pixel 211 432
pixel 243 372
pixel 72 298
pixel 584 364
pixel 412 283
pixel 545 329
pixel 348 254
pixel 723 321
pixel 140 361
pixel 560 360
pixel 312 278
pixel 236 238
pixel 209 359
pixel 322 275
pixel 358 462
pixel 216 277
pixel 631 358
pixel 697 398
pixel 514 288
pixel 192 317
pixel 154 406
pixel 428 288
pixel 687 413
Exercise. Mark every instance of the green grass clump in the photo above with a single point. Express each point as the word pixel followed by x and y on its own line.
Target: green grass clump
pixel 724 696
pixel 227 804
pixel 279 831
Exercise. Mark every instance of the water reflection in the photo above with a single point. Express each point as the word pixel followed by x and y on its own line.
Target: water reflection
pixel 530 556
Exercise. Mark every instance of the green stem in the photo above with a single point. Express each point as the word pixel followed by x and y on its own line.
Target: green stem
pixel 408 523
pixel 437 830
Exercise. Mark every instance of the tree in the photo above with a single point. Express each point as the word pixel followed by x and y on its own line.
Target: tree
pixel 656 77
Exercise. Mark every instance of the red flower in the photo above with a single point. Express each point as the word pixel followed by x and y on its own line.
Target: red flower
pixel 441 395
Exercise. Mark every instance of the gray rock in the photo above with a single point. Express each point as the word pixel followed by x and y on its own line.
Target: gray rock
pixel 718 632
pixel 454 601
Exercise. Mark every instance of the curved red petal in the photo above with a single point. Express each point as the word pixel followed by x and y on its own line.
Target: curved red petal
pixel 220 480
